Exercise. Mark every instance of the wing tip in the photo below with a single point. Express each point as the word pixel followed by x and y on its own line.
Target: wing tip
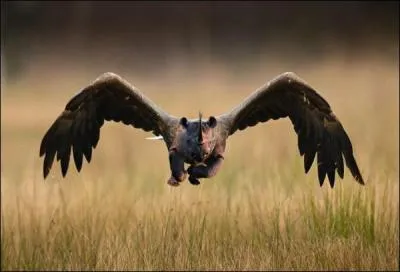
pixel 46 171
pixel 360 179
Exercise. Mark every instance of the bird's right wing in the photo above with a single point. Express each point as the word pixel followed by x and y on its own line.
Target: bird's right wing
pixel 108 98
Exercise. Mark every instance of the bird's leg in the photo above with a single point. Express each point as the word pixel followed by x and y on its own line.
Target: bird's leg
pixel 177 166
pixel 213 164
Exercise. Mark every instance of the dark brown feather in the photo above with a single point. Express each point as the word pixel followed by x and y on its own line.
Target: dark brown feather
pixel 309 159
pixel 78 155
pixel 319 131
pixel 78 127
pixel 321 167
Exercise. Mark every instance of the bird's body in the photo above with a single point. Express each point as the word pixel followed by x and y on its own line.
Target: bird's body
pixel 200 143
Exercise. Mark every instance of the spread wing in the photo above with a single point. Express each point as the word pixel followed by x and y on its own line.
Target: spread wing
pixel 319 130
pixel 109 97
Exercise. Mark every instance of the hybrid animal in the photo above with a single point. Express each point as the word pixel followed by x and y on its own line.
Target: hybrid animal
pixel 200 143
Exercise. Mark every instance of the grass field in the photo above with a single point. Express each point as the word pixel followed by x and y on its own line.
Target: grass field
pixel 261 212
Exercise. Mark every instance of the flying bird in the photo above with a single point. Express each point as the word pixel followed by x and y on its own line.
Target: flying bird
pixel 197 142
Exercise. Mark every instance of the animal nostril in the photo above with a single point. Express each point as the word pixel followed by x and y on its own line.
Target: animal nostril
pixel 193 154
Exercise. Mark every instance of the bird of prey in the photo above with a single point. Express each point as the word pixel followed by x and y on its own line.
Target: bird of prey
pixel 200 143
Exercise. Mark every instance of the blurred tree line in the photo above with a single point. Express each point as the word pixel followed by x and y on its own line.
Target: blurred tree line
pixel 169 30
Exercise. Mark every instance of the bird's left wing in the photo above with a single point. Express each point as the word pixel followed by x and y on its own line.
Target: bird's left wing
pixel 108 98
pixel 319 130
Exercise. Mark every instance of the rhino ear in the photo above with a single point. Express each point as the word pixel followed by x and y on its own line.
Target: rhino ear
pixel 212 122
pixel 184 122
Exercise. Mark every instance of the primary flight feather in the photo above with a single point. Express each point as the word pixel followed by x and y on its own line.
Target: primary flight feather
pixel 197 142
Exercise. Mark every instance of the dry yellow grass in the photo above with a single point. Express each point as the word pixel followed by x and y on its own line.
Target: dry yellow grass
pixel 260 212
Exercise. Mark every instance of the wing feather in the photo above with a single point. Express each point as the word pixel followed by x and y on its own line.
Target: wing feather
pixel 319 132
pixel 109 98
pixel 78 155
